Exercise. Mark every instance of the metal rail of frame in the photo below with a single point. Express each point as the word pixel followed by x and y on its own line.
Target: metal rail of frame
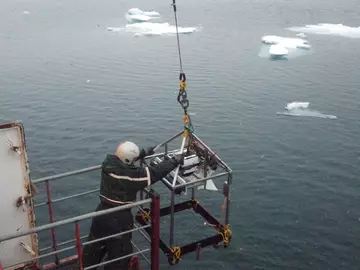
pixel 154 200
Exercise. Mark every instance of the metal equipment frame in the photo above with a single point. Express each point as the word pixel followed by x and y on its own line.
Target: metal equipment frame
pixel 177 185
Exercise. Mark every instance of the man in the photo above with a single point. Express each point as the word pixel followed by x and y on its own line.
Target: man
pixel 121 179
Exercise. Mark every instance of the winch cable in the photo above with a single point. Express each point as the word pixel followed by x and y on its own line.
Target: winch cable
pixel 177 36
pixel 182 96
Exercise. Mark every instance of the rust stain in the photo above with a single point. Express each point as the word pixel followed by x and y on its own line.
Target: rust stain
pixel 29 188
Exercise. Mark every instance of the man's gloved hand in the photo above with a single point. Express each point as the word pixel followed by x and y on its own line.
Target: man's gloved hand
pixel 179 159
pixel 146 152
pixel 149 151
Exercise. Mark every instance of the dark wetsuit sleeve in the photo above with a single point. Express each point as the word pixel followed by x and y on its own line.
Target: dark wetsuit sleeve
pixel 159 171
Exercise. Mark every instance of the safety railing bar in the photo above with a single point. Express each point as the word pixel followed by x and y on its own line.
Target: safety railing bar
pixel 114 235
pixel 62 243
pixel 147 238
pixel 74 219
pixel 41 256
pixel 168 140
pixel 69 197
pixel 40 204
pixel 104 238
pixel 142 254
pixel 67 174
pixel 76 195
pixel 117 259
pixel 81 171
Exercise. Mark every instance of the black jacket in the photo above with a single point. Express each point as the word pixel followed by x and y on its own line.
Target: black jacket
pixel 120 182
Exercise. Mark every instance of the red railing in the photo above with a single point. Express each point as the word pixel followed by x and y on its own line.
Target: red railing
pixel 49 202
pixel 154 199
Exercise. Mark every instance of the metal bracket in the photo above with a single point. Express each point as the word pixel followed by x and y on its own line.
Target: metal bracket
pixel 27 248
pixel 13 147
pixel 22 201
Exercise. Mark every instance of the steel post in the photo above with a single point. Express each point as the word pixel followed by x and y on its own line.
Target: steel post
pixel 172 213
pixel 178 167
pixel 47 184
pixel 78 245
pixel 227 192
pixel 155 232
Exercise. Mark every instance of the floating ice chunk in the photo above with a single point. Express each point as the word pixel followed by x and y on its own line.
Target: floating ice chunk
pixel 329 29
pixel 26 12
pixel 302 109
pixel 137 18
pixel 137 11
pixel 137 15
pixel 297 105
pixel 147 28
pixel 278 50
pixel 286 42
pixel 138 23
pixel 114 29
pixel 152 13
pixel 302 35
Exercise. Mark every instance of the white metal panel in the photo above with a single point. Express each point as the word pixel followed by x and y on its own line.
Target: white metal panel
pixel 15 183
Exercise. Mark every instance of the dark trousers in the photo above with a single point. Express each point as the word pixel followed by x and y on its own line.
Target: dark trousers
pixel 119 246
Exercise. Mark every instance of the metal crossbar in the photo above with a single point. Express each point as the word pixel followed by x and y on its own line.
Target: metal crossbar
pixel 117 259
pixel 62 243
pixel 73 220
pixel 155 205
pixel 68 197
pixel 115 235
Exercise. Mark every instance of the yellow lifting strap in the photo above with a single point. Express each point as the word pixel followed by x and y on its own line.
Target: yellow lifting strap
pixel 146 216
pixel 225 233
pixel 196 203
pixel 176 251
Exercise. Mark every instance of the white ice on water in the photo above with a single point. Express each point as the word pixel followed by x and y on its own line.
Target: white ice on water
pixel 302 35
pixel 137 15
pixel 286 42
pixel 329 29
pixel 147 28
pixel 137 11
pixel 297 108
pixel 278 50
pixel 139 25
pixel 284 47
pixel 297 105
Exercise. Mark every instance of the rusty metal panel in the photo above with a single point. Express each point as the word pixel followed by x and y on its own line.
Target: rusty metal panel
pixel 16 192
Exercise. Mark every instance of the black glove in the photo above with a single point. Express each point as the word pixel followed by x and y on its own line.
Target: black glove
pixel 179 159
pixel 149 151
pixel 146 152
